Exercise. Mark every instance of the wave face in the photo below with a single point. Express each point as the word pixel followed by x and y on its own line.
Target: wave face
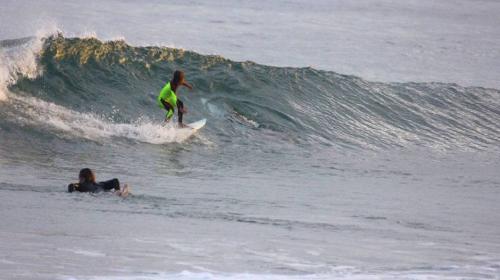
pixel 83 87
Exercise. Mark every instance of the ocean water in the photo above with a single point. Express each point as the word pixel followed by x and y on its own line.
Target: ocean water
pixel 303 171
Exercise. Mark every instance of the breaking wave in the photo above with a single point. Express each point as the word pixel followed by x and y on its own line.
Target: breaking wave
pixel 84 87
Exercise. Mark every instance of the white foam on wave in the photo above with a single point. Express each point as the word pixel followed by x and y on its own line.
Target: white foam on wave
pixel 341 273
pixel 17 62
pixel 83 252
pixel 47 115
pixel 21 60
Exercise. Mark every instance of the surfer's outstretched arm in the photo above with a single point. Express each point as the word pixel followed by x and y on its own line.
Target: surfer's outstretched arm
pixel 184 83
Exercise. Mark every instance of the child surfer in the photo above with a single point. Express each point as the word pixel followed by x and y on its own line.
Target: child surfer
pixel 168 99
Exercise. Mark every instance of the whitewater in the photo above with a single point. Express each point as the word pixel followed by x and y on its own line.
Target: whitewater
pixel 316 162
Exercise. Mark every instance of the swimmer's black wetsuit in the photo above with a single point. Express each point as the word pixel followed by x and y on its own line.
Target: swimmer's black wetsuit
pixel 94 188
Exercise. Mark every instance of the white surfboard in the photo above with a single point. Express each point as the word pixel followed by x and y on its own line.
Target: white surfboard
pixel 188 130
pixel 197 125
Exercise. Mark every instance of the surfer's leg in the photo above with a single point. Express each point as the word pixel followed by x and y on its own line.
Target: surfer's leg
pixel 180 110
pixel 110 185
pixel 169 108
pixel 169 115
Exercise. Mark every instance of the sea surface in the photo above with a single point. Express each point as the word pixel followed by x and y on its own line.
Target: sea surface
pixel 344 140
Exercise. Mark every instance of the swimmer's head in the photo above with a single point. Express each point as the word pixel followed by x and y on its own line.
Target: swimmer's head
pixel 86 176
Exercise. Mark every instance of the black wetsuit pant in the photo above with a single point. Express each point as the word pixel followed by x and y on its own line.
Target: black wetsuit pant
pixel 180 108
pixel 110 185
pixel 95 187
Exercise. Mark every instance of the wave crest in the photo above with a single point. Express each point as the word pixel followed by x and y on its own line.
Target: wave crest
pixel 303 105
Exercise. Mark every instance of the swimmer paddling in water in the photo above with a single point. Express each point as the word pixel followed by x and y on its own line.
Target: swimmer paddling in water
pixel 87 183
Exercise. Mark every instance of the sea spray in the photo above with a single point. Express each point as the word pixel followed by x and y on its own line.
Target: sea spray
pixel 18 58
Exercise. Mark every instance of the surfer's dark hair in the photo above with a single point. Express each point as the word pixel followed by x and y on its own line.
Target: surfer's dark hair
pixel 86 176
pixel 178 77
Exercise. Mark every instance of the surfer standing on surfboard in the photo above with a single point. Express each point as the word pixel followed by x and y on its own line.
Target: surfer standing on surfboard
pixel 168 99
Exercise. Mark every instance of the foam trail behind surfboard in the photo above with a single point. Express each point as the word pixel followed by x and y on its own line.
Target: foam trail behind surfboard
pixel 46 115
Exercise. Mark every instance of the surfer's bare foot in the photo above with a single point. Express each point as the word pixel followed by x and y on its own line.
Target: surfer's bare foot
pixel 181 125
